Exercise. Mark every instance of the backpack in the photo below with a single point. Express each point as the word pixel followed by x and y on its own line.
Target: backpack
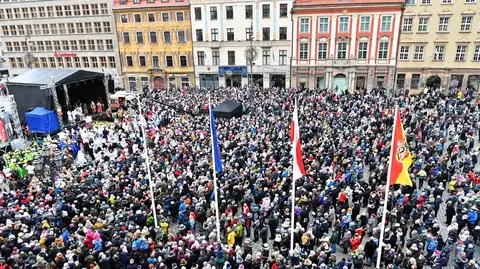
pixel 432 245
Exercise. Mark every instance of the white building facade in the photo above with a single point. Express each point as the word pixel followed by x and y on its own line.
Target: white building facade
pixel 59 34
pixel 345 45
pixel 221 41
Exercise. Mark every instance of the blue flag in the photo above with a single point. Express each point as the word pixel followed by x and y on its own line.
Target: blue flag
pixel 216 150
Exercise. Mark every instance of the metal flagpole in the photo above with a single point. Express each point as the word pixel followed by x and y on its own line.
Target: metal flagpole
pixel 387 189
pixel 147 162
pixel 215 190
pixel 292 221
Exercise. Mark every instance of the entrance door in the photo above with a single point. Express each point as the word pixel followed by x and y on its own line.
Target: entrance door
pixel 340 83
pixel 234 80
pixel 360 84
pixel 158 83
pixel 320 83
pixel 277 81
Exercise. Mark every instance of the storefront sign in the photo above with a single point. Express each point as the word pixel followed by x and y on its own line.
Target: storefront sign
pixel 231 70
pixel 64 54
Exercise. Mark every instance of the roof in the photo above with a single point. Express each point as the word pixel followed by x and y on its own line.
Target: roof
pixel 145 4
pixel 44 76
pixel 346 3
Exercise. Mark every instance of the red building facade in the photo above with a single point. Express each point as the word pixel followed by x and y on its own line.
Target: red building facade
pixel 345 44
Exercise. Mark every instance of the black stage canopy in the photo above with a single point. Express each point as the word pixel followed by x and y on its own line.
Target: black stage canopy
pixel 228 109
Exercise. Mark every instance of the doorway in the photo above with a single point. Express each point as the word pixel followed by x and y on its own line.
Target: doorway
pixel 320 83
pixel 340 83
pixel 360 83
pixel 234 80
pixel 277 81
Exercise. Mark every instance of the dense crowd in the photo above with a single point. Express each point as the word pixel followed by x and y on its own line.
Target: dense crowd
pixel 98 214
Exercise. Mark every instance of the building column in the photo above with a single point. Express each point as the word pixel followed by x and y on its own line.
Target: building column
pixel 351 81
pixel 371 78
pixel 465 82
pixel 244 82
pixel 266 80
pixel 311 78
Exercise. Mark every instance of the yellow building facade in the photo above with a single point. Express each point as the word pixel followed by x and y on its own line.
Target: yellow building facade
pixel 155 43
pixel 439 38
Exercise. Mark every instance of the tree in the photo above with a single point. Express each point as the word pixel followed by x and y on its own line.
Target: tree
pixel 434 82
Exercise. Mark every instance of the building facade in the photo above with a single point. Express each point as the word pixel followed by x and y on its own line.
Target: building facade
pixel 439 45
pixel 224 42
pixel 345 45
pixel 59 34
pixel 155 43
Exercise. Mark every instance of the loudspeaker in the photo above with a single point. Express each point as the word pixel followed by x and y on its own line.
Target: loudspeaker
pixel 111 86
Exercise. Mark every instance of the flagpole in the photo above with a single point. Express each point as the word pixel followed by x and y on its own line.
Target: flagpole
pixel 215 190
pixel 292 221
pixel 387 189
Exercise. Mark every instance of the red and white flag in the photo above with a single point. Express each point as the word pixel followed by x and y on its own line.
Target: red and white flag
pixel 298 167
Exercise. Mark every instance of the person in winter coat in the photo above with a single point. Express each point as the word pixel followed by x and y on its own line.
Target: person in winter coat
pixel 369 249
pixel 355 241
pixel 334 240
pixel 346 242
pixel 449 212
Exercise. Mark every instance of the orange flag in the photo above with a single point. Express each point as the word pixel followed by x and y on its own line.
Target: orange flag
pixel 400 157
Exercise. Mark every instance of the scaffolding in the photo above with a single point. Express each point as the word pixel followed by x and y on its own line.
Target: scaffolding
pixel 8 104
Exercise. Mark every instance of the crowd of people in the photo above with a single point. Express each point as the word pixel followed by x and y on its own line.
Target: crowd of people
pixel 97 213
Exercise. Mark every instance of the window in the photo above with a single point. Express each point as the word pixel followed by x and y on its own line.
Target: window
pixel 155 61
pixel 404 50
pixel 407 24
pixel 198 13
pixel 25 13
pixel 365 23
pixel 91 44
pixel 104 9
pixel 88 27
pixel 266 56
pixel 443 24
pixel 199 34
pixel 216 57
pixel 476 54
pixel 169 61
pixel 79 27
pixel 386 23
pixel 41 11
pixel 439 54
pixel 98 27
pixel 153 37
pixel 422 24
pixel 53 28
pixel 248 11
pixel 323 25
pixel 141 61
pixel 59 11
pixel 383 50
pixel 200 57
pixel 322 50
pixel 137 17
pixel 304 25
pixel 129 60
pixel 179 16
pixel 426 2
pixel 181 36
pixel 362 50
pixel 109 44
pixel 139 37
pixel 71 28
pixel 86 10
pixel 41 47
pixel 183 61
pixel 230 34
pixel 470 1
pixel 466 23
pixel 126 37
pixel 343 24
pixel 94 8
pixel 83 44
pixel 283 33
pixel 266 33
pixel 111 62
pixel 100 45
pixel 103 61
pixel 165 16
pixel 214 34
pixel 166 37
pixel 248 33
pixel 283 10
pixel 461 51
pixel 16 13
pixel 415 81
pixel 419 50
pixel 76 10
pixel 229 12
pixel 265 11
pixel 213 13
pixel 73 44
pixel 48 45
pixel 303 51
pixel 56 45
pixel 282 57
pixel 44 62
pixel 231 57
pixel 342 50
pixel 106 27
pixel 151 17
